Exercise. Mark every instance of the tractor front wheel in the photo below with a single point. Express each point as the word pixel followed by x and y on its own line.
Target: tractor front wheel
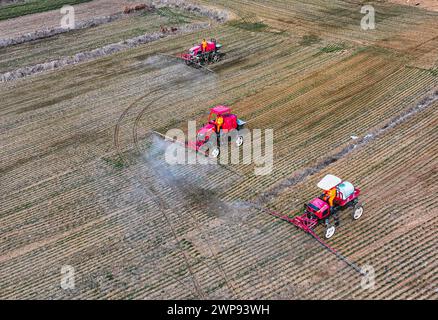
pixel 357 211
pixel 214 153
pixel 239 141
pixel 330 231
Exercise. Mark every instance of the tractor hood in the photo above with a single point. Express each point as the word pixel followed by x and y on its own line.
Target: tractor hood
pixel 201 137
pixel 318 205
pixel 206 130
pixel 194 50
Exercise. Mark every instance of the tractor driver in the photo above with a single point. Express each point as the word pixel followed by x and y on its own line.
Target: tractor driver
pixel 204 45
pixel 329 197
pixel 219 121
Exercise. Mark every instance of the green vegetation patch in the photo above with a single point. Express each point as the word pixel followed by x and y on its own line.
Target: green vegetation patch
pixel 249 26
pixel 34 6
pixel 434 71
pixel 23 207
pixel 309 39
pixel 117 163
pixel 333 48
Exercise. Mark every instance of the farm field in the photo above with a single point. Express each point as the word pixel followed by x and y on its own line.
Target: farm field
pixel 67 44
pixel 28 23
pixel 31 6
pixel 424 4
pixel 85 183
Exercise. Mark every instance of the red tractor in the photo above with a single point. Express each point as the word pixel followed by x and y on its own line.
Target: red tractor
pixel 318 209
pixel 222 125
pixel 197 57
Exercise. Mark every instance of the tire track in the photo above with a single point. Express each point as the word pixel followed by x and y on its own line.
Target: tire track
pixel 157 199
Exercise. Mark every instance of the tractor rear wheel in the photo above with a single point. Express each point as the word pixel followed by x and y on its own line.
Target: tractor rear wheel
pixel 330 231
pixel 357 211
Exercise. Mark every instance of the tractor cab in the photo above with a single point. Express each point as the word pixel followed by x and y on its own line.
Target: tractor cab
pixel 229 119
pixel 318 207
pixel 205 132
pixel 197 49
pixel 218 111
pixel 345 191
pixel 212 46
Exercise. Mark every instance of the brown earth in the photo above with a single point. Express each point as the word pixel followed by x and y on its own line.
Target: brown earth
pixel 424 4
pixel 97 8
